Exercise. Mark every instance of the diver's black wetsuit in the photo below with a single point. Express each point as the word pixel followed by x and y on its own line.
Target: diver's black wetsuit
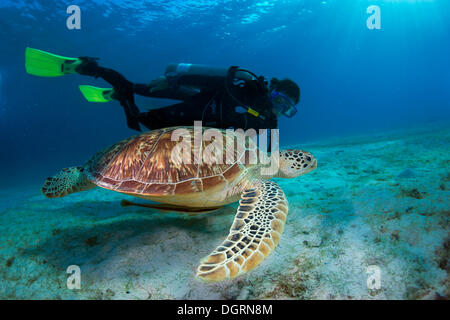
pixel 214 102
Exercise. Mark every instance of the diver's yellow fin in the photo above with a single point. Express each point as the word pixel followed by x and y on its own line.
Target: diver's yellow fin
pixel 45 64
pixel 94 94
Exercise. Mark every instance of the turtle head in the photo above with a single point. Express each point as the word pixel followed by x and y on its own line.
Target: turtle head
pixel 294 163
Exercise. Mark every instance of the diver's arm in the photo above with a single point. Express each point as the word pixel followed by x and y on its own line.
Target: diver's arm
pixel 216 81
pixel 184 78
pixel 178 93
pixel 182 85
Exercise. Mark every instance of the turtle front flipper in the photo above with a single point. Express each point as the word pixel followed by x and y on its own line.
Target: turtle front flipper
pixel 255 233
pixel 67 181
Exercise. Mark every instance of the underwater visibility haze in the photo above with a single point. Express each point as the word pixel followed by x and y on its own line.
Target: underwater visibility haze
pixel 374 112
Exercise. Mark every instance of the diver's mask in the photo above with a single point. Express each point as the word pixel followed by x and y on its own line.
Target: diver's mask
pixel 283 104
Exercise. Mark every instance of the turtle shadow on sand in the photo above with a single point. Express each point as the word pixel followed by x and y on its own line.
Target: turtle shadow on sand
pixel 96 240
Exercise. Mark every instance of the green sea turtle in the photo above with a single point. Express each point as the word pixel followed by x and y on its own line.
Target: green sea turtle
pixel 148 166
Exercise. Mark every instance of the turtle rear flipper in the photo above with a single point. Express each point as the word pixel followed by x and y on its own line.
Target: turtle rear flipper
pixel 67 181
pixel 255 233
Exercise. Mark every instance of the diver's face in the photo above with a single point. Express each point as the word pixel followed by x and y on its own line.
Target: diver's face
pixel 282 104
pixel 276 111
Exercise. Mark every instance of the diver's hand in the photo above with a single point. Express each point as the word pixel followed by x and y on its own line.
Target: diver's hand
pixel 160 83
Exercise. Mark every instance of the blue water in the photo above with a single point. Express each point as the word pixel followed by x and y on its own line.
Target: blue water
pixel 352 79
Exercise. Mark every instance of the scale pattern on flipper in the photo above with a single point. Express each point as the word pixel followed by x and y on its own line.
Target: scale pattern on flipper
pixel 255 233
pixel 67 181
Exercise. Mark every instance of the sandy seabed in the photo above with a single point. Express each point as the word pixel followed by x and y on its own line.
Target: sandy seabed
pixel 377 200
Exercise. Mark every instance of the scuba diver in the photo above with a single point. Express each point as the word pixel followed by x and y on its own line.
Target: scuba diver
pixel 220 97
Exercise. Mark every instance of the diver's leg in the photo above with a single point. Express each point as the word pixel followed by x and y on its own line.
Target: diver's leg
pixel 123 89
pixel 90 67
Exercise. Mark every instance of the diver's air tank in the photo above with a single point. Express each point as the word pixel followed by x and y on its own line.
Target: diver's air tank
pixel 200 76
pixel 196 75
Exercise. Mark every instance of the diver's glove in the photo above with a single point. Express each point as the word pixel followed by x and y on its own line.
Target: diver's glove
pixel 88 66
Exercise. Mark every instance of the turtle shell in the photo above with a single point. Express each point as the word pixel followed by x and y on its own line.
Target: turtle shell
pixel 154 163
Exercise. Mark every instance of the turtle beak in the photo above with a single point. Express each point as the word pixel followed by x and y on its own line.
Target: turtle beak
pixel 314 164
